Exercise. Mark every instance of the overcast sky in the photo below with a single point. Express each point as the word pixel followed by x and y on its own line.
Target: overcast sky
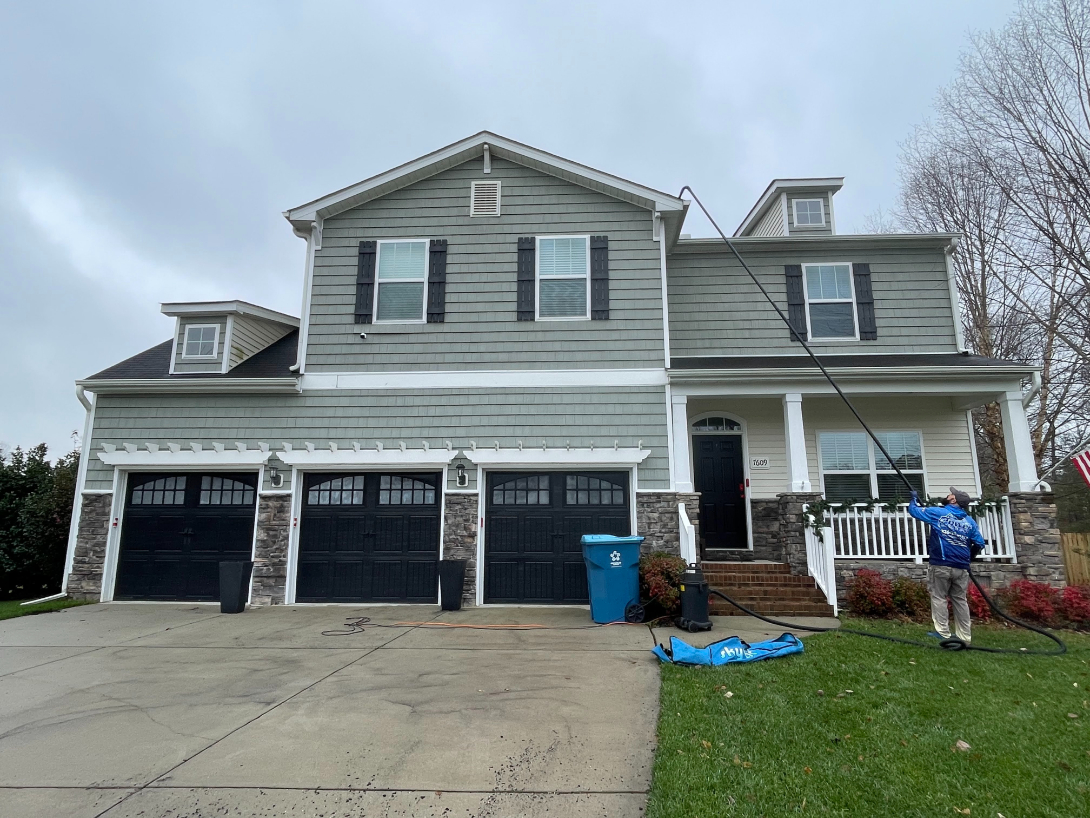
pixel 147 151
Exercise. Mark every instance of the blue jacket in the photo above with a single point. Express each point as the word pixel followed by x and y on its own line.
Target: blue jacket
pixel 952 533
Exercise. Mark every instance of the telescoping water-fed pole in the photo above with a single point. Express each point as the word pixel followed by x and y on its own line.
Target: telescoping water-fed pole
pixel 948 644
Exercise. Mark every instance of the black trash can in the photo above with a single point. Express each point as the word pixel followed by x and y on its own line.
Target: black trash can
pixel 234 586
pixel 452 578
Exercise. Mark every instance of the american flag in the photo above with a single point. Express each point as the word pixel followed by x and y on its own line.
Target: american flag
pixel 1082 463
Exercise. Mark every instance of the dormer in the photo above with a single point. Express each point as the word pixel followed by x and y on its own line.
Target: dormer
pixel 213 337
pixel 793 207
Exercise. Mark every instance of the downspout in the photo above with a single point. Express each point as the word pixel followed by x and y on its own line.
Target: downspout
pixel 1034 390
pixel 658 230
pixel 81 481
pixel 313 239
pixel 955 296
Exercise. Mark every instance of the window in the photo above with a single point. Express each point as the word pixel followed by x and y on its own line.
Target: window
pixel 164 491
pixel 340 491
pixel 522 491
pixel 717 424
pixel 223 491
pixel 404 491
pixel 563 266
pixel 401 280
pixel 592 491
pixel 809 213
pixel 201 341
pixel 484 199
pixel 853 468
pixel 829 301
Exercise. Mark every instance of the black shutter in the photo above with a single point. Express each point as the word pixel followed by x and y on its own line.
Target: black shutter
pixel 526 276
pixel 864 303
pixel 365 283
pixel 599 277
pixel 437 281
pixel 796 301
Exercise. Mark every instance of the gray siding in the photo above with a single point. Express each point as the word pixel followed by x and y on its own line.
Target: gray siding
pixel 771 224
pixel 250 335
pixel 481 330
pixel 716 310
pixel 557 416
pixel 204 365
pixel 807 230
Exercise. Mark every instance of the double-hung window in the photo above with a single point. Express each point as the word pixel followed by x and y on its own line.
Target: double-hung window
pixel 830 301
pixel 809 213
pixel 201 341
pixel 853 468
pixel 401 281
pixel 563 271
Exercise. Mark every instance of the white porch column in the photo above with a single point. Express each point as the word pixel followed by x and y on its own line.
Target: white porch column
pixel 683 474
pixel 1016 440
pixel 798 471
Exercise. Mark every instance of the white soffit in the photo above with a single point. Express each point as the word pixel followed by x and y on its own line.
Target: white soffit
pixel 167 459
pixel 516 458
pixel 393 458
pixel 484 379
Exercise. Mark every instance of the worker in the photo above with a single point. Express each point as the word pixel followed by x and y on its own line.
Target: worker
pixel 954 540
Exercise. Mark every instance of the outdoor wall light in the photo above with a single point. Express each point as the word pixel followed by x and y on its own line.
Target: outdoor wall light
pixel 462 478
pixel 275 477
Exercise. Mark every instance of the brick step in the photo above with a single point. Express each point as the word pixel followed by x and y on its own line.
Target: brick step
pixel 756 567
pixel 757 579
pixel 720 608
pixel 803 596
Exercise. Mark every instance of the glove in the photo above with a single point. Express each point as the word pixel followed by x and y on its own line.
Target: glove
pixel 915 497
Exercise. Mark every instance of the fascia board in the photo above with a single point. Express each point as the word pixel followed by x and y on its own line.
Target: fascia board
pixel 432 163
pixel 367 457
pixel 831 184
pixel 778 243
pixel 166 459
pixel 855 373
pixel 514 458
pixel 226 308
pixel 220 385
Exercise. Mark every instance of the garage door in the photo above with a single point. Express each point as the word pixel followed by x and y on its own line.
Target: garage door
pixel 176 530
pixel 533 526
pixel 369 538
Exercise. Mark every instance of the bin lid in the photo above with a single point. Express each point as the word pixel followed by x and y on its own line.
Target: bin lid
pixel 610 539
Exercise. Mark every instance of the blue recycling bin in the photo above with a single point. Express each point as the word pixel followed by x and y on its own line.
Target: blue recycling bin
pixel 613 574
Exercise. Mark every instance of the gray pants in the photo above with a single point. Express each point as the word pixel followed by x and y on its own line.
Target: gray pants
pixel 944 581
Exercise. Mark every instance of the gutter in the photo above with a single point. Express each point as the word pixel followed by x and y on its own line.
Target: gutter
pixel 850 373
pixel 955 295
pixel 1035 389
pixel 217 385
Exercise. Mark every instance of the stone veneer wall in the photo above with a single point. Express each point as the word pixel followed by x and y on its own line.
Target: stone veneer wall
pixel 460 538
pixel 793 529
pixel 270 576
pixel 85 579
pixel 767 543
pixel 657 519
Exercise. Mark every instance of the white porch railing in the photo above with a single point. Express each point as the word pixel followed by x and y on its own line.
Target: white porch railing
pixel 820 560
pixel 688 535
pixel 878 533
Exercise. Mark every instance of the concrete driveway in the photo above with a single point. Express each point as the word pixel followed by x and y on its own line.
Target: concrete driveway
pixel 176 710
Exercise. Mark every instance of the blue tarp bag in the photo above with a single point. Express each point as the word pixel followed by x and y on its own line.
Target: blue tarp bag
pixel 727 651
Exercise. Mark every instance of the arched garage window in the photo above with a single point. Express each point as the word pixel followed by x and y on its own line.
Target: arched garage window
pixel 592 491
pixel 163 491
pixel 522 491
pixel 223 491
pixel 340 491
pixel 394 490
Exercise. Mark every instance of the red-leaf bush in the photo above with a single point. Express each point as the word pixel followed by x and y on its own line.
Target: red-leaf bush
pixel 870 595
pixel 660 576
pixel 1033 601
pixel 911 598
pixel 978 607
pixel 1074 604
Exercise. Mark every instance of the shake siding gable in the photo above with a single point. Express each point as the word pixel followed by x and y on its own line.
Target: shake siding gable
pixel 480 328
pixel 715 309
pixel 809 230
pixel 190 365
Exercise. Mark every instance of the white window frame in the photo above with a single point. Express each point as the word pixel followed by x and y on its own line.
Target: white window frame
pixel 215 342
pixel 424 304
pixel 806 295
pixel 872 461
pixel 795 213
pixel 537 280
pixel 473 198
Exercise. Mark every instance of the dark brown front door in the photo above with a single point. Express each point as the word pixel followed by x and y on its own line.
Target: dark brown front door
pixel 721 481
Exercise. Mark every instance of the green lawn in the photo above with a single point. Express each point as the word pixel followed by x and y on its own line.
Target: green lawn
pixel 9 609
pixel 778 747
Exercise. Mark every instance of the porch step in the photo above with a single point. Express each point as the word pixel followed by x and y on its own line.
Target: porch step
pixel 767 588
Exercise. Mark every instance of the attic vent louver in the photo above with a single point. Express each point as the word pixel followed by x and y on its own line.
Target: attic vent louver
pixel 484 199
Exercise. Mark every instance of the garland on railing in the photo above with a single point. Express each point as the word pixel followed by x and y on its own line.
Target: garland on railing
pixel 816 510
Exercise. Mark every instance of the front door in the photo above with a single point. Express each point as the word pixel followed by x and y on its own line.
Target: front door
pixel 720 479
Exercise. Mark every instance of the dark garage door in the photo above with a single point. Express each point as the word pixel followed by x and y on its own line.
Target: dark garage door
pixel 177 529
pixel 369 538
pixel 533 526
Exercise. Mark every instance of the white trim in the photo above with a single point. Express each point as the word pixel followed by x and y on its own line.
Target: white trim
pixel 113 535
pixel 308 285
pixel 670 453
pixel 832 228
pixel 537 280
pixel 665 291
pixel 372 458
pixel 955 296
pixel 473 194
pixel 794 427
pixel 681 476
pixel 743 433
pixel 227 344
pixel 1017 442
pixel 209 308
pixel 484 379
pixel 795 213
pixel 529 458
pixel 482 489
pixel 273 492
pixel 293 537
pixel 97 491
pixel 166 459
pixel 375 320
pixel 808 301
pixel 253 544
pixel 174 345
pixel 972 448
pixel 81 481
pixel 216 384
pixel 215 343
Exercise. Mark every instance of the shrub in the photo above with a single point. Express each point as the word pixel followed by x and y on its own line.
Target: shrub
pixel 869 594
pixel 978 606
pixel 911 598
pixel 660 575
pixel 1034 601
pixel 1074 604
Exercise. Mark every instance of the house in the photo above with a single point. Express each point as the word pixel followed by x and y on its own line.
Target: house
pixel 500 350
